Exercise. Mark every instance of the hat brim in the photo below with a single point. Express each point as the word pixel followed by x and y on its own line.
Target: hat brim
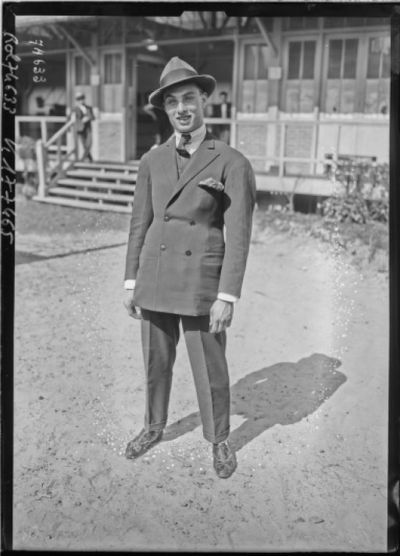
pixel 206 82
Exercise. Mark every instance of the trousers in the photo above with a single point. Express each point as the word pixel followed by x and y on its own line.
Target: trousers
pixel 160 336
pixel 86 141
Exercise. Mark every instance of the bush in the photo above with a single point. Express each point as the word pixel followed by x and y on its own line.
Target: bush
pixel 364 192
pixel 348 208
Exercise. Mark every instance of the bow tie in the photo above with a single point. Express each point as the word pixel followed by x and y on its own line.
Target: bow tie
pixel 181 148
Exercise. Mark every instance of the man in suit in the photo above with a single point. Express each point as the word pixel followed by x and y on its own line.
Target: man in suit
pixel 222 110
pixel 181 268
pixel 84 117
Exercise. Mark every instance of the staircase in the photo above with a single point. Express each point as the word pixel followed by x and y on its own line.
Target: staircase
pixel 95 185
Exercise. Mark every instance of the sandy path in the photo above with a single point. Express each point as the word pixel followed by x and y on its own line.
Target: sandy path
pixel 308 363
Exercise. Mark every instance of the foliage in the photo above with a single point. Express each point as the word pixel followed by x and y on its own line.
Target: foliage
pixel 363 192
pixel 349 208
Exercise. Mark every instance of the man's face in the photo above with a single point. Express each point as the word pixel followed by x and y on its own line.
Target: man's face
pixel 184 106
pixel 80 100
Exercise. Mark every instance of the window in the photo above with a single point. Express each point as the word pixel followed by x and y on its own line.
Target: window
pixel 255 66
pixel 342 63
pixel 255 78
pixel 82 71
pixel 341 73
pixel 300 86
pixel 378 58
pixel 301 60
pixel 112 68
pixel 377 90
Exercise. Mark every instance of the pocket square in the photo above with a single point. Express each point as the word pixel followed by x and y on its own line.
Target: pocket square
pixel 213 184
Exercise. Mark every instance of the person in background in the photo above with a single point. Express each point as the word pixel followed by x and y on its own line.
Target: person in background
pixel 181 269
pixel 40 106
pixel 84 117
pixel 222 110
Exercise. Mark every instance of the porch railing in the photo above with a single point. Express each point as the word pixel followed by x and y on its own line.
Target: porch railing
pixel 291 145
pixel 54 154
pixel 47 172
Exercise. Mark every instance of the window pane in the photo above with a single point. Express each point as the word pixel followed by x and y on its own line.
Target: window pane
pixel 308 59
pixel 112 68
pixel 379 55
pixel 294 60
pixel 82 71
pixel 250 54
pixel 374 56
pixel 385 65
pixel 263 62
pixel 350 58
pixel 335 58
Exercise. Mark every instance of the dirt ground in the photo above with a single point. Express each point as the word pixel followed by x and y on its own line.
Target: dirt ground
pixel 308 356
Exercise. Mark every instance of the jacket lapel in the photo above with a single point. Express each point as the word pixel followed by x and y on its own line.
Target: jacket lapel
pixel 204 155
pixel 167 164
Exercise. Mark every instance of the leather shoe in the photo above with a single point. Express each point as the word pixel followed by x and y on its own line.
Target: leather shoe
pixel 224 460
pixel 142 443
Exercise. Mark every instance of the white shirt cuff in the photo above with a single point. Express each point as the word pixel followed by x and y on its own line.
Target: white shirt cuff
pixel 227 297
pixel 129 284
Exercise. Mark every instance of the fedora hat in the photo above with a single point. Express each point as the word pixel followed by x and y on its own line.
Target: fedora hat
pixel 178 72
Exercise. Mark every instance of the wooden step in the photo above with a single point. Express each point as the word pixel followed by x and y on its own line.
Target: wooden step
pixel 65 182
pixel 89 205
pixel 90 174
pixel 107 166
pixel 78 193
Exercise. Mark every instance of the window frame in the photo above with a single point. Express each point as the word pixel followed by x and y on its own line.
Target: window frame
pixel 360 89
pixel 360 63
pixel 104 56
pixel 302 37
pixel 259 43
pixel 84 64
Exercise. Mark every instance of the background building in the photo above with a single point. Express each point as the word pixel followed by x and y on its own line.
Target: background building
pixel 300 89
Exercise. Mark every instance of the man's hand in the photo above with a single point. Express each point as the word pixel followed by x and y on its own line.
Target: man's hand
pixel 221 314
pixel 133 311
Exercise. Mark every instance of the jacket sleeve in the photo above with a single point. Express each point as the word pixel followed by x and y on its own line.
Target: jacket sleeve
pixel 142 216
pixel 240 198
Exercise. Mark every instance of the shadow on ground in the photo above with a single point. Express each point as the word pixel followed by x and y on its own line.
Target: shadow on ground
pixel 283 393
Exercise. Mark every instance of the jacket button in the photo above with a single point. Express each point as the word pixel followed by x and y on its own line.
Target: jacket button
pixel 163 247
pixel 188 253
pixel 192 222
pixel 166 218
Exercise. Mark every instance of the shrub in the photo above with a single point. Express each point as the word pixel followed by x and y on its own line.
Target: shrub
pixel 348 208
pixel 364 192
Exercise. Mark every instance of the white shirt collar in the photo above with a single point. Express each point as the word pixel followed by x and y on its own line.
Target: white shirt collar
pixel 197 137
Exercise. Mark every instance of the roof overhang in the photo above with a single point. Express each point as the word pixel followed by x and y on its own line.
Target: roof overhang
pixel 26 21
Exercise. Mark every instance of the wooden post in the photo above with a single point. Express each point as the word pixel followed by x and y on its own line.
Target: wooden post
pixel 41 167
pixel 76 143
pixel 43 130
pixel 59 154
pixel 315 136
pixel 282 150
